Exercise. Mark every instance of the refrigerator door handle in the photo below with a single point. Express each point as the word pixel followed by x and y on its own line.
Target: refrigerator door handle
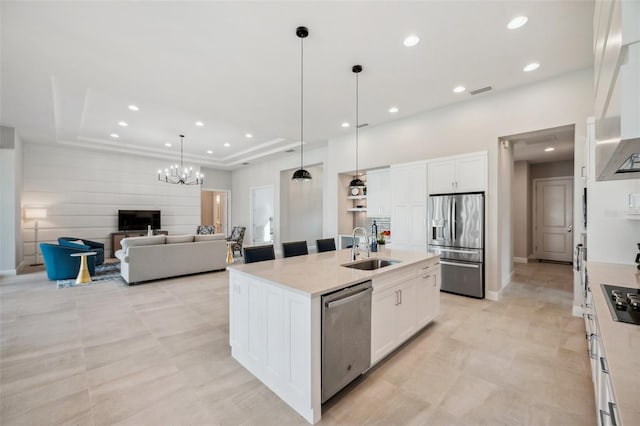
pixel 450 225
pixel 453 220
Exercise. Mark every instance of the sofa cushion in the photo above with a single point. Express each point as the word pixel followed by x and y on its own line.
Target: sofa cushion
pixel 173 239
pixel 209 237
pixel 77 244
pixel 141 241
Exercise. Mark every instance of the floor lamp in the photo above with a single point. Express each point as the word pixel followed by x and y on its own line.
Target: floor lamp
pixel 35 214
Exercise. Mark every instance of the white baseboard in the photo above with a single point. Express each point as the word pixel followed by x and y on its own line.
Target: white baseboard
pixel 577 311
pixel 494 295
pixel 9 272
pixel 520 260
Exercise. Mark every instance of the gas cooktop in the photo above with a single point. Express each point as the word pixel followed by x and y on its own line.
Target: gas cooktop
pixel 623 302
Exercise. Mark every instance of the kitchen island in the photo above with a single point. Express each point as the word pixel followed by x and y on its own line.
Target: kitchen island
pixel 275 314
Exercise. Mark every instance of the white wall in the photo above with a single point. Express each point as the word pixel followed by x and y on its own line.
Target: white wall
pixel 268 173
pixel 552 169
pixel 83 190
pixel 216 179
pixel 520 209
pixel 470 126
pixel 10 200
pixel 301 207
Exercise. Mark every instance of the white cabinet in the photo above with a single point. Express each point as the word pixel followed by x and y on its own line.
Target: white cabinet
pixel 409 206
pixel 460 174
pixel 427 294
pixel 378 193
pixel 401 307
pixel 392 318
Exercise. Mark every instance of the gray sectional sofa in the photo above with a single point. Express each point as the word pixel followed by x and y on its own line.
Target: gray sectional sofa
pixel 164 256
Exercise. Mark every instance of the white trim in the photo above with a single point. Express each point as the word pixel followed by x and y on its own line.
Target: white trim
pixel 484 153
pixel 494 295
pixel 577 311
pixel 520 260
pixel 10 272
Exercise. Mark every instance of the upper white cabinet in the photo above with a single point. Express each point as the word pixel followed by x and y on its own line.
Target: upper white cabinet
pixel 458 174
pixel 409 206
pixel 378 193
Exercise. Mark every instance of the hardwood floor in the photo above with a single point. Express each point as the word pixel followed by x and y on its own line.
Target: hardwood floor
pixel 158 353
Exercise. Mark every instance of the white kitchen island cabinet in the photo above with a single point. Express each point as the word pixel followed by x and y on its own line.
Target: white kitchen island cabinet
pixel 275 315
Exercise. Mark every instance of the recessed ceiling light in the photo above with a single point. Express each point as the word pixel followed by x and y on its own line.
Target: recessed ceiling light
pixel 549 149
pixel 168 145
pixel 209 152
pixel 517 22
pixel 114 135
pixel 248 135
pixel 134 108
pixel 345 124
pixel 227 144
pixel 531 67
pixel 122 123
pixel 411 40
pixel 393 110
pixel 199 123
pixel 459 89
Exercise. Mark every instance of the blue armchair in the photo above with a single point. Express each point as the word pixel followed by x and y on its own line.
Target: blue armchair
pixel 59 263
pixel 88 245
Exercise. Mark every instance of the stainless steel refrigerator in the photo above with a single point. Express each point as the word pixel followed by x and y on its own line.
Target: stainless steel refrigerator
pixel 456 232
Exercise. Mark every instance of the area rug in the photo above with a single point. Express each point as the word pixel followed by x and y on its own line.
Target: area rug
pixel 106 272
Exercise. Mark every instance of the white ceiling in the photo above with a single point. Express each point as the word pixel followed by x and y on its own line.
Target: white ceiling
pixel 70 69
pixel 531 146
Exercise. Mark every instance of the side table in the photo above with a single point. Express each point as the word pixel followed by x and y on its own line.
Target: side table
pixel 230 252
pixel 83 273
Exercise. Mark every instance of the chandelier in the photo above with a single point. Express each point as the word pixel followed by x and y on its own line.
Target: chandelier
pixel 180 175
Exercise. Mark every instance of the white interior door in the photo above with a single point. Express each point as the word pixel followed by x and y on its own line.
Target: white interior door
pixel 554 219
pixel 262 201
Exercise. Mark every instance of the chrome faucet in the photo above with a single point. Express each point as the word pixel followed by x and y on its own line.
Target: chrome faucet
pixel 354 247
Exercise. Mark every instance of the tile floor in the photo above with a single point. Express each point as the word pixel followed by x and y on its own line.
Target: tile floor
pixel 158 354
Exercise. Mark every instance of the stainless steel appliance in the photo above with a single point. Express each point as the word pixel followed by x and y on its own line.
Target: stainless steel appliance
pixel 456 232
pixel 623 302
pixel 346 336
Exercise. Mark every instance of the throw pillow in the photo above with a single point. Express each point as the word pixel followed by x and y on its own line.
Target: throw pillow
pixel 206 229
pixel 78 242
pixel 173 239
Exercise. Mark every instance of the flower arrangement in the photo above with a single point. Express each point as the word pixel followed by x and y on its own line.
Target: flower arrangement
pixel 383 235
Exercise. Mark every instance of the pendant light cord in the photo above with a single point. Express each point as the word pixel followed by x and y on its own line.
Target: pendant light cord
pixel 357 102
pixel 181 143
pixel 301 100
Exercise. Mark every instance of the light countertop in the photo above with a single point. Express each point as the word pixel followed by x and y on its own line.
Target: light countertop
pixel 319 273
pixel 621 341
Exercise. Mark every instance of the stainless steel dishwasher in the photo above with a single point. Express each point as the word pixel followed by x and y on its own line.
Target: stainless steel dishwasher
pixel 346 336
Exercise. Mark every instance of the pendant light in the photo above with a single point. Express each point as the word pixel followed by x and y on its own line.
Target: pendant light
pixel 357 69
pixel 301 174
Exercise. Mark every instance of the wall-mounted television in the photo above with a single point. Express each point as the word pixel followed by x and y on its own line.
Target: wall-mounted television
pixel 138 220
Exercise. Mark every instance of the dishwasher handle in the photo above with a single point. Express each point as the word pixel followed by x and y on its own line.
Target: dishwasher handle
pixel 348 299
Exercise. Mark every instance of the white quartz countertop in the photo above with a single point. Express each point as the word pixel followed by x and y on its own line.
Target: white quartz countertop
pixel 319 273
pixel 621 341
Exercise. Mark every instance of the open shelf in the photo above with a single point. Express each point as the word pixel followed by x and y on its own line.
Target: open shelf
pixel 357 197
pixel 364 209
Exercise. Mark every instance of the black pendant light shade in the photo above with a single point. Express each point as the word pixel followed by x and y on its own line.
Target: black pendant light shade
pixel 301 174
pixel 357 69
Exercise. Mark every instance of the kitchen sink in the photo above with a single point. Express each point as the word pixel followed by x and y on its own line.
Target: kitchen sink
pixel 371 264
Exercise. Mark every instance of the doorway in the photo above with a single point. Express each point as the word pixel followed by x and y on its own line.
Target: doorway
pixel 214 210
pixel 553 212
pixel 262 202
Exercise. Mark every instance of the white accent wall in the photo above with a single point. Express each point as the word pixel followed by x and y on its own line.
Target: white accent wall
pixel 10 200
pixel 83 190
